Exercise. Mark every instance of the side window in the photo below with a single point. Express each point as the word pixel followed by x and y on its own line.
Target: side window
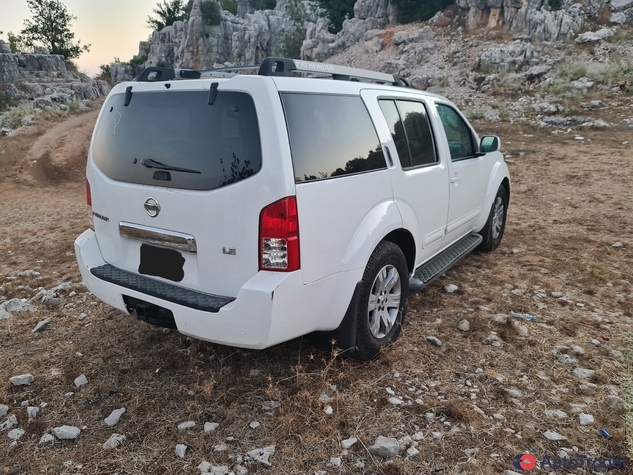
pixel 411 132
pixel 330 136
pixel 396 128
pixel 460 139
pixel 418 131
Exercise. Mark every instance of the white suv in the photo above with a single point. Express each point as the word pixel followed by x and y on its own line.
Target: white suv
pixel 248 210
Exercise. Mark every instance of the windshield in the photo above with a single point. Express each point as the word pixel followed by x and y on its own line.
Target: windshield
pixel 182 132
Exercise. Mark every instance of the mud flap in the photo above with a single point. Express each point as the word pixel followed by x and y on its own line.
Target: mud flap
pixel 345 335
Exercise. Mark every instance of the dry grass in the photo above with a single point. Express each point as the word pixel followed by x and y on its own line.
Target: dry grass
pixel 567 210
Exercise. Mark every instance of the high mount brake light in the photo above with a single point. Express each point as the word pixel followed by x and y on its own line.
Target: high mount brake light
pixel 279 236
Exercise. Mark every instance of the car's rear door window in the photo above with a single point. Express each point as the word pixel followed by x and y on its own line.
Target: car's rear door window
pixel 330 136
pixel 209 145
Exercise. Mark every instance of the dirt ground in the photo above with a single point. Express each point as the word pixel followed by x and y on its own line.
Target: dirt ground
pixel 570 205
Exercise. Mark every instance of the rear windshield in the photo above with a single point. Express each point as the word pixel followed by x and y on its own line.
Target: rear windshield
pixel 176 139
pixel 330 136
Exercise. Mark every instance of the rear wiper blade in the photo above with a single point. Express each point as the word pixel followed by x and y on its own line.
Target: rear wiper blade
pixel 151 163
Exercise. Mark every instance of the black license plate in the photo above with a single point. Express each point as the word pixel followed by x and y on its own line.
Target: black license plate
pixel 160 262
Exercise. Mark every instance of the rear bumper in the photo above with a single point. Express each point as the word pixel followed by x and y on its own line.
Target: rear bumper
pixel 270 308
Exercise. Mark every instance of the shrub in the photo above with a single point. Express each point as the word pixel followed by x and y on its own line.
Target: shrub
pixel 137 61
pixel 265 4
pixel 555 5
pixel 210 9
pixel 415 10
pixel 337 12
pixel 294 36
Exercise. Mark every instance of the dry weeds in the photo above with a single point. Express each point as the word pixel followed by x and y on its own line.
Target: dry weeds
pixel 569 205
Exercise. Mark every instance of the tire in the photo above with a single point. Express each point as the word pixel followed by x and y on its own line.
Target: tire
pixel 496 224
pixel 382 301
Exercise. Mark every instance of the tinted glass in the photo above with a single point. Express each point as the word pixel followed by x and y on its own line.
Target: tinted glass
pixel 330 136
pixel 397 131
pixel 419 134
pixel 179 129
pixel 460 140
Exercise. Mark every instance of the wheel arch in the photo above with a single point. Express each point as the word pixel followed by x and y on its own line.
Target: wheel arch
pixel 405 241
pixel 499 175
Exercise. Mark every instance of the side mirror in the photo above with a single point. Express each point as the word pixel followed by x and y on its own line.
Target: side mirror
pixel 489 143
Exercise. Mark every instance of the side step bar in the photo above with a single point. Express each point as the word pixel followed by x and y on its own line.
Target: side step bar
pixel 431 270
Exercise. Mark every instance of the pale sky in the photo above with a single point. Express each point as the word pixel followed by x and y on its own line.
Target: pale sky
pixel 113 28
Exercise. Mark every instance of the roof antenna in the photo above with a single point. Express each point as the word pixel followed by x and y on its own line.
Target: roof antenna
pixel 213 92
pixel 128 96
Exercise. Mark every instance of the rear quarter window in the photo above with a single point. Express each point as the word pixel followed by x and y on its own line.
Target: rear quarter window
pixel 218 145
pixel 330 136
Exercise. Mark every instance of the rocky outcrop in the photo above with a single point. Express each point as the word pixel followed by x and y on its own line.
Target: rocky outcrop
pixel 43 82
pixel 244 39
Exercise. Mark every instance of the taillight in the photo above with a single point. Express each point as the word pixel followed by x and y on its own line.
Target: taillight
pixel 279 236
pixel 91 221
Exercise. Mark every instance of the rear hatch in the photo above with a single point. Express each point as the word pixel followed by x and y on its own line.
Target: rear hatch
pixel 177 184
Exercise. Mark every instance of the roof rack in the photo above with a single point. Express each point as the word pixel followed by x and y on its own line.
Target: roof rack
pixel 274 67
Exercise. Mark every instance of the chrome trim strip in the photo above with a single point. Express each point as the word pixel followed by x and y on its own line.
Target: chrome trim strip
pixel 161 237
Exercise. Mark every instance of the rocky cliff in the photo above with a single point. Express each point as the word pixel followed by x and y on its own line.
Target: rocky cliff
pixel 252 35
pixel 41 81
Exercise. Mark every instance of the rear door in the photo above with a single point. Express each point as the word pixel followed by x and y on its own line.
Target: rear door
pixel 420 177
pixel 166 165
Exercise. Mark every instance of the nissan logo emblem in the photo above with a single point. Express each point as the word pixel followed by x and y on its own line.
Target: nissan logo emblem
pixel 152 207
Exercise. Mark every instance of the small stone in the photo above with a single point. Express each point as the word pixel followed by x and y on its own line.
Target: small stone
pixel 556 413
pixel 69 394
pixel 82 316
pixel 81 381
pixel 434 340
pixel 66 432
pixel 385 447
pixel 511 472
pixel 41 326
pixel 412 451
pixel 500 319
pixel 429 417
pixel 219 470
pixel 347 444
pixel 335 462
pixel 204 466
pixel 47 439
pixel 270 405
pixel 586 387
pixel 186 425
pixel 396 401
pixel 583 373
pixel 210 427
pixel 617 245
pixel 328 410
pixel 585 419
pixel 451 288
pixel 254 425
pixel 522 330
pixel 463 325
pixel 15 434
pixel 4 410
pixel 181 450
pixel 615 354
pixel 12 421
pixel 554 436
pixel 324 398
pixel 32 411
pixel 261 455
pixel 566 359
pixel 436 435
pixel 255 372
pixel 614 402
pixel 593 341
pixel 220 448
pixel 22 380
pixel 515 393
pixel 577 350
pixel 114 441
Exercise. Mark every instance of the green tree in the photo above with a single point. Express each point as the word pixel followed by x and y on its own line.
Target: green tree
pixel 16 43
pixel 337 12
pixel 265 4
pixel 415 10
pixel 167 13
pixel 294 36
pixel 50 26
pixel 210 9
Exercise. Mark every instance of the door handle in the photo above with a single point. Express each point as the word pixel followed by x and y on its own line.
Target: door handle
pixel 455 179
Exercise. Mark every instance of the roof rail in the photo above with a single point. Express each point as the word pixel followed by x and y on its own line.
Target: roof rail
pixel 274 67
pixel 285 67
